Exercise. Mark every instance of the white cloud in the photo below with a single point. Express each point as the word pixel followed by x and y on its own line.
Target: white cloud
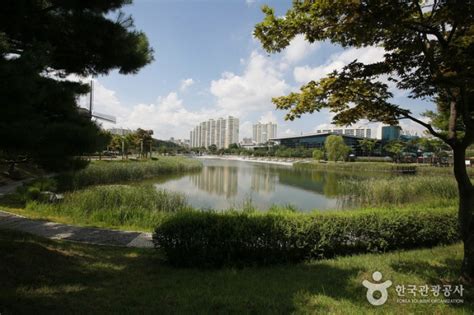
pixel 268 117
pixel 251 91
pixel 185 83
pixel 298 48
pixel 338 61
pixel 246 129
pixel 168 117
pixel 289 132
pixel 249 2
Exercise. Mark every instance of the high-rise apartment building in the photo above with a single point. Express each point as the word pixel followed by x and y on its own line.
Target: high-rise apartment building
pixel 220 132
pixel 264 132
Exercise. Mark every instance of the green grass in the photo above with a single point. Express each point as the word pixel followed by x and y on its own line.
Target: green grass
pixel 398 190
pixel 43 276
pixel 421 169
pixel 109 172
pixel 134 207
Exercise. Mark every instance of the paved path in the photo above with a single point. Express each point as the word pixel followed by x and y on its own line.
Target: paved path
pixel 75 233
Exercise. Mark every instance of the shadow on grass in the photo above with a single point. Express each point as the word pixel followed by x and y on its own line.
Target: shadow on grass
pixel 444 272
pixel 48 276
pixel 39 275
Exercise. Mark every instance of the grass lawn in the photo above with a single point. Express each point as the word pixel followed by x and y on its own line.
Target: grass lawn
pixel 39 275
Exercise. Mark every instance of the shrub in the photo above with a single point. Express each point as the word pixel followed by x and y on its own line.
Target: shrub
pixel 212 239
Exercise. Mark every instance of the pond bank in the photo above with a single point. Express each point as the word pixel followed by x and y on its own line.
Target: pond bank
pixel 276 161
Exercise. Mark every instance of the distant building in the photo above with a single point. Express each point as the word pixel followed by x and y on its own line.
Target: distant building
pixel 220 132
pixel 119 131
pixel 264 132
pixel 316 140
pixel 349 131
pixel 390 133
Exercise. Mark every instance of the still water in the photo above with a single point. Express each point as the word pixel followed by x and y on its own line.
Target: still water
pixel 224 184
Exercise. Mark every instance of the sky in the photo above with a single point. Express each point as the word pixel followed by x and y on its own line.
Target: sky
pixel 208 65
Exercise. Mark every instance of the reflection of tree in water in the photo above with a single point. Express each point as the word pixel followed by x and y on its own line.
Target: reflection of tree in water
pixel 325 183
pixel 218 180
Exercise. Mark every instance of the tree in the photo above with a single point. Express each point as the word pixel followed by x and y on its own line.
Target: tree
pixel 144 141
pixel 395 147
pixel 42 45
pixel 318 154
pixel 367 145
pixel 213 148
pixel 335 148
pixel 429 49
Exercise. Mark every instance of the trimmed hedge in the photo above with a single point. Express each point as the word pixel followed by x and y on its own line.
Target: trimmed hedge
pixel 212 239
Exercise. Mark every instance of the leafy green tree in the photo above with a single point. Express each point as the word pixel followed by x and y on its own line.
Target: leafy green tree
pixel 429 49
pixel 335 148
pixel 395 147
pixel 233 146
pixel 144 141
pixel 367 145
pixel 318 154
pixel 42 45
pixel 212 148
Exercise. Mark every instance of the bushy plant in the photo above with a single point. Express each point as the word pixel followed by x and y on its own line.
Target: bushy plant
pixel 108 172
pixel 140 206
pixel 213 239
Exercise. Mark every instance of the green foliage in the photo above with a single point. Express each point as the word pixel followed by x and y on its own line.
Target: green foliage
pixel 318 154
pixel 107 172
pixel 214 239
pixel 438 65
pixel 115 206
pixel 395 147
pixel 41 44
pixel 398 190
pixel 335 148
pixel 367 145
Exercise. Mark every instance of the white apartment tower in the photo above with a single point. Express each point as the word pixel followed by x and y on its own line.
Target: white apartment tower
pixel 220 132
pixel 264 132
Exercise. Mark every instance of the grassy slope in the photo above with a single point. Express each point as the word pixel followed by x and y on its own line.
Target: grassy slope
pixel 39 275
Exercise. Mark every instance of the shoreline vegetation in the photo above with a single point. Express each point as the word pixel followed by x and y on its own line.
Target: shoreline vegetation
pixel 100 196
pixel 111 172
pixel 356 166
pixel 92 196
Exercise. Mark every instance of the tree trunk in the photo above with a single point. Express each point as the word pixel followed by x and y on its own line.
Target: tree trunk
pixel 466 212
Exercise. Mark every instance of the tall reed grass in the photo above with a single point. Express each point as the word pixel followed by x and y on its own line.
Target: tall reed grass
pixel 108 172
pixel 115 206
pixel 397 190
pixel 388 167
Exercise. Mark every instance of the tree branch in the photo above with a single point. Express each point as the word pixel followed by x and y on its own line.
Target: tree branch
pixel 427 126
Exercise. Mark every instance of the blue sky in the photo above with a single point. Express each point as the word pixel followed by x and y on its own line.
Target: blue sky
pixel 207 65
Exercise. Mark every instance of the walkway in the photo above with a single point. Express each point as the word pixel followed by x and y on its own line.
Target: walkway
pixel 75 233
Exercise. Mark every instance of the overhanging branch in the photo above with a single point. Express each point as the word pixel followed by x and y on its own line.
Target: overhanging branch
pixel 427 126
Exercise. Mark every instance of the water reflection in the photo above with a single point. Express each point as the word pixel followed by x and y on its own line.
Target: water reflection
pixel 217 180
pixel 222 184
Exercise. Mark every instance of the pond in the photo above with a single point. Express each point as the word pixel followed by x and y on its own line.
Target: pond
pixel 224 184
